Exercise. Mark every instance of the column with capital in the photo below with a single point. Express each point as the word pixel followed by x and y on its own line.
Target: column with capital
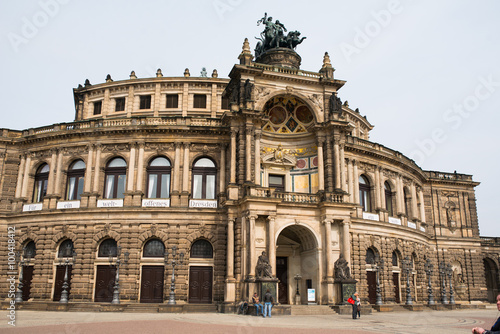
pixel 229 291
pixel 328 165
pixel 272 244
pixel 422 206
pixel 414 208
pixel 321 165
pixel 174 196
pixel 88 177
pixel 251 246
pixel 328 249
pixel 56 194
pixel 248 153
pixel 222 173
pixel 185 177
pixel 355 180
pixel 139 191
pixel 343 183
pixel 258 135
pixel 18 201
pixel 336 163
pixel 350 183
pixel 130 176
pixel 232 178
pixel 346 241
pixel 96 168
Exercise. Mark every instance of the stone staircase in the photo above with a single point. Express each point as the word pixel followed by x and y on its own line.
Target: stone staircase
pixel 311 310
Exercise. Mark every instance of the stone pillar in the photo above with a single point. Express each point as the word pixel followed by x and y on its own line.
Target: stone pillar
pixel 131 168
pixel 177 162
pixel 321 164
pixel 248 153
pixel 251 244
pixel 356 182
pixel 382 190
pixel 222 183
pixel 329 164
pixel 140 169
pixel 230 249
pixel 258 135
pixel 232 179
pixel 328 248
pixel 343 182
pixel 185 169
pixel 414 208
pixel 422 206
pixel 20 174
pixel 97 169
pixel 350 177
pixel 377 189
pixel 26 177
pixel 272 244
pixel 88 169
pixel 399 195
pixel 58 178
pixel 52 172
pixel 346 242
pixel 336 163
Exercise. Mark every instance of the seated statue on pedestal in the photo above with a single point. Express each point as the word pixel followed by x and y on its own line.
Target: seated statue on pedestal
pixel 263 268
pixel 342 271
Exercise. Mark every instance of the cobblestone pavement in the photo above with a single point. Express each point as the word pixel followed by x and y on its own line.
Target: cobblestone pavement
pixel 459 321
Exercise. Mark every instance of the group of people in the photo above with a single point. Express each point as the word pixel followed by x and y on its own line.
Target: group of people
pixel 264 310
pixel 355 301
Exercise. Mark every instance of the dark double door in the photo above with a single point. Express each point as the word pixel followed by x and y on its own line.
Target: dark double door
pixel 200 284
pixel 395 281
pixel 371 277
pixel 152 284
pixel 104 283
pixel 27 278
pixel 58 288
pixel 282 275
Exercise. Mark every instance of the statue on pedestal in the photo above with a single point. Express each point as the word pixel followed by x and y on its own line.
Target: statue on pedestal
pixel 263 268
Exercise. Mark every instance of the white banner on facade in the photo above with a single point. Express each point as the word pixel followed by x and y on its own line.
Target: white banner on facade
pixel 32 207
pixel 370 216
pixel 393 220
pixel 68 205
pixel 202 203
pixel 422 228
pixel 110 203
pixel 155 203
pixel 412 225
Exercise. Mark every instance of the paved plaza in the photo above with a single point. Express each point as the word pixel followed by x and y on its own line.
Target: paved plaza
pixel 458 321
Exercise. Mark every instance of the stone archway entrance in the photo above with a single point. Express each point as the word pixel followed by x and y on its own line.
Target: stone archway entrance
pixel 491 274
pixel 297 253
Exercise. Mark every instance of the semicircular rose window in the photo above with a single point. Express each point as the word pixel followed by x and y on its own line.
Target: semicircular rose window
pixel 287 115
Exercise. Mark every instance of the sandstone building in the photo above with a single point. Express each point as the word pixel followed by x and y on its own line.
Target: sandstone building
pixel 225 169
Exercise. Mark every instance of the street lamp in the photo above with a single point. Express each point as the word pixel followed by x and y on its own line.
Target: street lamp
pixel 407 268
pixel 175 257
pixel 379 266
pixel 22 260
pixel 297 278
pixel 428 266
pixel 449 272
pixel 442 270
pixel 117 263
pixel 70 255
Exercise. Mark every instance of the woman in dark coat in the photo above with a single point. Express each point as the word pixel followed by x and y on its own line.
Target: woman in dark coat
pixel 496 327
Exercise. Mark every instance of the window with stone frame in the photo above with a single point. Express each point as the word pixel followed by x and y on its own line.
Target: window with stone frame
pixel 41 181
pixel 388 199
pixel 200 101
pixel 225 103
pixel 65 249
pixel 370 256
pixel 365 193
pixel 158 178
pixel 115 176
pixel 145 102
pixel 204 179
pixel 97 107
pixel 201 249
pixel 107 248
pixel 154 248
pixel 76 180
pixel 172 101
pixel 119 104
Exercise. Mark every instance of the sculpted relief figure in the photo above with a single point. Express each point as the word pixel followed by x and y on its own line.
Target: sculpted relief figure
pixel 341 268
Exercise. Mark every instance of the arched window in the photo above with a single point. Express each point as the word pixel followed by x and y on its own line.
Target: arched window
pixel 154 248
pixel 158 178
pixel 204 173
pixel 108 247
pixel 395 259
pixel 29 250
pixel 407 202
pixel 370 256
pixel 116 172
pixel 76 179
pixel 364 194
pixel 41 180
pixel 388 198
pixel 65 249
pixel 202 249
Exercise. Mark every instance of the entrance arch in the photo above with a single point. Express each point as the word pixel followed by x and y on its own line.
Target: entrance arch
pixel 491 274
pixel 297 254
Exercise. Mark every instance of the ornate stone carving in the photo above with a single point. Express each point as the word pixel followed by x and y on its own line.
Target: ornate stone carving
pixel 341 269
pixel 263 268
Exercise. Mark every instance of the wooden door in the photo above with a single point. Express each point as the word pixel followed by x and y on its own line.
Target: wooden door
pixel 152 284
pixel 282 275
pixel 104 283
pixel 200 285
pixel 395 282
pixel 371 277
pixel 27 278
pixel 60 271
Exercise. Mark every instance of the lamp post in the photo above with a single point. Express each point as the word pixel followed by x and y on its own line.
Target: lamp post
pixel 407 269
pixel 117 263
pixel 428 266
pixel 449 272
pixel 21 260
pixel 442 269
pixel 70 255
pixel 175 257
pixel 379 265
pixel 297 278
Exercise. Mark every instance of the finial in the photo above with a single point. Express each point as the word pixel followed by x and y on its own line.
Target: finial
pixel 245 56
pixel 326 60
pixel 132 75
pixel 215 74
pixel 346 103
pixel 246 46
pixel 327 68
pixel 203 72
pixel 108 78
pixel 186 72
pixel 80 86
pixel 87 83
pixel 158 73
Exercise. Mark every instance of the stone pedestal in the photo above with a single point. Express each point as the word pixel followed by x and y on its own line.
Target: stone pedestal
pixel 345 289
pixel 283 57
pixel 263 284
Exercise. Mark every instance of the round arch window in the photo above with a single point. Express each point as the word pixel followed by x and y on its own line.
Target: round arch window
pixel 154 248
pixel 202 249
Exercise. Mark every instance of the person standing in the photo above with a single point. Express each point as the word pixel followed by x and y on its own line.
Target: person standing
pixel 258 305
pixel 268 303
pixel 496 327
pixel 356 305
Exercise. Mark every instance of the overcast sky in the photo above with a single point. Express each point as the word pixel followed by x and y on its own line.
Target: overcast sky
pixel 425 73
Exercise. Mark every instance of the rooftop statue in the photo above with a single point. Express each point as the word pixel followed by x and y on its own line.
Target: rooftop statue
pixel 273 36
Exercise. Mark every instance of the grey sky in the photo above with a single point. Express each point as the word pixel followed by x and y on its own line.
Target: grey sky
pixel 425 73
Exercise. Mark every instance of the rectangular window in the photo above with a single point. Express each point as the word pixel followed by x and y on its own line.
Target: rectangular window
pixel 225 103
pixel 120 104
pixel 172 100
pixel 197 186
pixel 200 101
pixel 153 182
pixel 277 181
pixel 165 184
pixel 97 107
pixel 145 102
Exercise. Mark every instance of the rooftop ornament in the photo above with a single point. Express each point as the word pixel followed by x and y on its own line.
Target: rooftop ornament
pixel 274 36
